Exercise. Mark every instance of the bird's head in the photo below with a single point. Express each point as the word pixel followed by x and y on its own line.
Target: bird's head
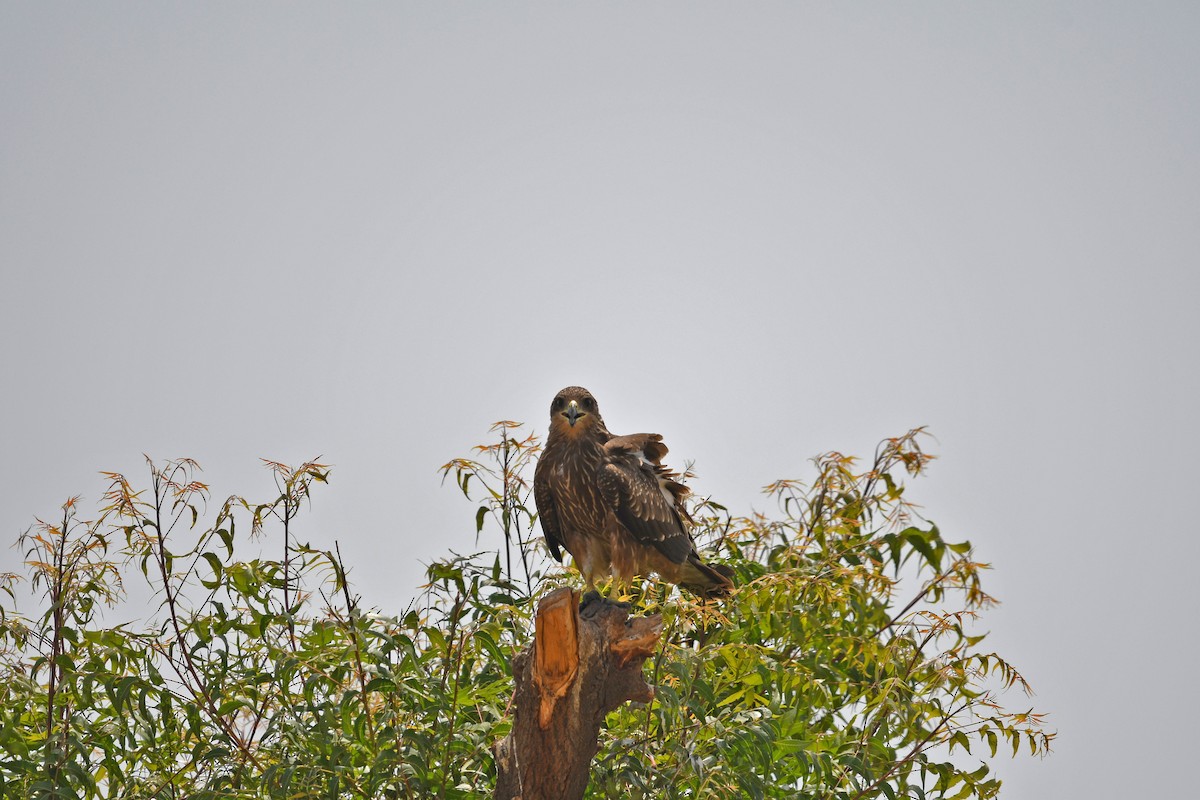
pixel 574 412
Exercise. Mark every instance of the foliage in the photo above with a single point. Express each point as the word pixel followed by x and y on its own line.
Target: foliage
pixel 254 677
pixel 814 680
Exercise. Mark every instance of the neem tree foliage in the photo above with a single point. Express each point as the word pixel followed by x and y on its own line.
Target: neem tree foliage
pixel 843 667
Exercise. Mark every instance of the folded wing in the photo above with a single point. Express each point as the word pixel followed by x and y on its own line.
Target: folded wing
pixel 647 498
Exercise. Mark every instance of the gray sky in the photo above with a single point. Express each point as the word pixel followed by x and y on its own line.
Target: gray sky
pixel 764 230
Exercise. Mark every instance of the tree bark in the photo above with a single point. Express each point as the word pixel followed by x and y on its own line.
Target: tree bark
pixel 582 664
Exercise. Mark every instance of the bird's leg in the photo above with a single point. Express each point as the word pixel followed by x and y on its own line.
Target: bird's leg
pixel 593 595
pixel 619 588
pixel 590 595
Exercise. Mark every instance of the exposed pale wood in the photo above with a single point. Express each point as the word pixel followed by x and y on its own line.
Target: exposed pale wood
pixel 556 649
pixel 582 665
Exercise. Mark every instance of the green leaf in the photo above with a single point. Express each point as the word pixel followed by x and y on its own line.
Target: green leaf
pixel 920 541
pixel 226 537
pixel 214 563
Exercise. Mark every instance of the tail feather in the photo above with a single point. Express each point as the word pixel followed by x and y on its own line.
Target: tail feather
pixel 709 581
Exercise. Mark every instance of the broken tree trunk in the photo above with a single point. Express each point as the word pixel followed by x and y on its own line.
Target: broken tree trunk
pixel 582 665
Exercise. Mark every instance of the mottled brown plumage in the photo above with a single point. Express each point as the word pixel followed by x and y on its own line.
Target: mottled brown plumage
pixel 612 504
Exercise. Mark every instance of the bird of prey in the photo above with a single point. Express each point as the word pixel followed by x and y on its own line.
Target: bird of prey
pixel 613 505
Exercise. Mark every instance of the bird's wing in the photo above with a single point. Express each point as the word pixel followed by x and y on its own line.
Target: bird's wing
pixel 643 492
pixel 543 497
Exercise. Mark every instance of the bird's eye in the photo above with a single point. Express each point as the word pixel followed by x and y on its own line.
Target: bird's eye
pixel 590 404
pixel 559 402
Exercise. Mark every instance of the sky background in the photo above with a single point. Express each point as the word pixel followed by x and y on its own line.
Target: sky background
pixel 766 231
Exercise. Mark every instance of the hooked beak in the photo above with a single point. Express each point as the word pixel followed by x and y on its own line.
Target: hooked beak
pixel 573 413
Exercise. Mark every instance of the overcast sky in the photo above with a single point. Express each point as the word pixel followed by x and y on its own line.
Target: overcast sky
pixel 366 232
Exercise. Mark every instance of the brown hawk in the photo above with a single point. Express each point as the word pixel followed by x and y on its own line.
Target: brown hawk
pixel 612 503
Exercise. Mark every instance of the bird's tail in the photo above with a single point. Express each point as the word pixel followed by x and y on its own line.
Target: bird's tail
pixel 709 581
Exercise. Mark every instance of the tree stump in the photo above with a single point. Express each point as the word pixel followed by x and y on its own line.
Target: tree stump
pixel 582 664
